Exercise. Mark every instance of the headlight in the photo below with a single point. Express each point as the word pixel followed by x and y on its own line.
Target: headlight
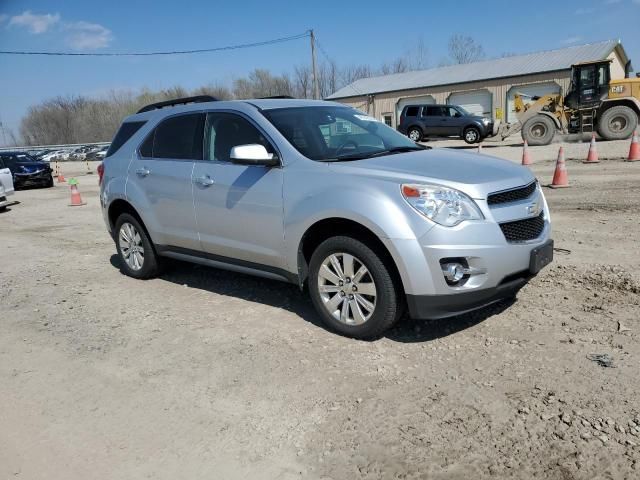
pixel 445 206
pixel 486 121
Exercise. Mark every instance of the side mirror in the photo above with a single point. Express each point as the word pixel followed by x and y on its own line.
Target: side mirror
pixel 253 154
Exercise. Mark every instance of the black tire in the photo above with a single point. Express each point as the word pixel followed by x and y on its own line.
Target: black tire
pixel 617 123
pixel 388 300
pixel 417 133
pixel 471 135
pixel 49 183
pixel 539 130
pixel 150 265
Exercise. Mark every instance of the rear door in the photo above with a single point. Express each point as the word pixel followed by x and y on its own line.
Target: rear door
pixel 238 207
pixel 161 173
pixel 5 177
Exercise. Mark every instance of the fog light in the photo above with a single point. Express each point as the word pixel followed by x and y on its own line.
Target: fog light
pixel 453 272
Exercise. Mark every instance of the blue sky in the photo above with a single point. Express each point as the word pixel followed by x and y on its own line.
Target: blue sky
pixel 352 31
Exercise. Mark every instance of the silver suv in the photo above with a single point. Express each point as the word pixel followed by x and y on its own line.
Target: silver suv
pixel 326 197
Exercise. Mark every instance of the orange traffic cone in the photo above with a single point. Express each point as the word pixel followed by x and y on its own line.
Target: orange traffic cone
pixel 592 157
pixel 76 199
pixel 634 149
pixel 526 156
pixel 61 178
pixel 560 178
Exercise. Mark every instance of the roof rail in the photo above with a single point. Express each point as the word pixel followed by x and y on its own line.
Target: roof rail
pixel 289 97
pixel 178 101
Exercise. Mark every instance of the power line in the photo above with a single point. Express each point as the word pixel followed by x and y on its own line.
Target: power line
pixel 149 54
pixel 326 56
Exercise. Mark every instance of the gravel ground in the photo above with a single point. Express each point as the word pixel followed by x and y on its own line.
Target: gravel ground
pixel 209 374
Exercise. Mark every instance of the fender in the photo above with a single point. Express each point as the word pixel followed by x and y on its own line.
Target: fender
pixel 635 103
pixel 351 202
pixel 138 200
pixel 552 117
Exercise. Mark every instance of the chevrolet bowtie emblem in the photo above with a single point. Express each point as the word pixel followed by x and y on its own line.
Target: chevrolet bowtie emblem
pixel 533 209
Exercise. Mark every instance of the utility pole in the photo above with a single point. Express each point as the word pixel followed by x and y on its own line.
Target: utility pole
pixel 316 88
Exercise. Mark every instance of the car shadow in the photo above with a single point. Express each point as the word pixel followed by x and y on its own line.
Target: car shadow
pixel 7 208
pixel 289 297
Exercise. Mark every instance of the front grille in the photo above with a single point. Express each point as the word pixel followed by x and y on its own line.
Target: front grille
pixel 514 195
pixel 523 230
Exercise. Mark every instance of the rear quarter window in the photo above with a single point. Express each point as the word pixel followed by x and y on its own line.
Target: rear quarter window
pixel 125 132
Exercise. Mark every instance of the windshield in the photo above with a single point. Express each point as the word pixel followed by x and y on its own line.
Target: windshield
pixel 335 133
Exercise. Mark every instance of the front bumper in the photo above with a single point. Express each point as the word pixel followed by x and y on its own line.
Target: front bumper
pixel 497 268
pixel 443 306
pixel 39 179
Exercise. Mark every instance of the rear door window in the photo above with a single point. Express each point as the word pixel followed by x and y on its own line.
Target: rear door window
pixel 412 111
pixel 179 137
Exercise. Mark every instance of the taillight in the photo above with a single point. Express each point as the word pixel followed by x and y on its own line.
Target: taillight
pixel 100 172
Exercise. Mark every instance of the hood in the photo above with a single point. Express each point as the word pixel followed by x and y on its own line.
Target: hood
pixel 476 175
pixel 30 167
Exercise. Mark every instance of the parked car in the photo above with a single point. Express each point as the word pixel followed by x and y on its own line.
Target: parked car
pixel 6 186
pixel 55 155
pixel 319 194
pixel 420 121
pixel 40 153
pixel 26 170
pixel 97 154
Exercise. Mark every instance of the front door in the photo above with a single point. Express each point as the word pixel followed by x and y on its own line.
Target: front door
pixel 238 207
pixel 161 174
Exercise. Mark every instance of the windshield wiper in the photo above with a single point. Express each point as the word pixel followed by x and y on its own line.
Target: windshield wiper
pixel 379 153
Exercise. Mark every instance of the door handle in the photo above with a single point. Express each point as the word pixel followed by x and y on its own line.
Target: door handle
pixel 205 181
pixel 143 172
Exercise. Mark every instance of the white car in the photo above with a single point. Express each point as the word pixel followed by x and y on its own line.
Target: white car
pixel 57 155
pixel 6 186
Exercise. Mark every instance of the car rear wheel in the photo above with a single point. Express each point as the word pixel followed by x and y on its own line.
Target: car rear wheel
pixel 471 135
pixel 352 288
pixel 137 255
pixel 415 134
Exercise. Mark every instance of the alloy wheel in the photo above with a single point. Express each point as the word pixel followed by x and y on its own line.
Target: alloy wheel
pixel 131 246
pixel 347 289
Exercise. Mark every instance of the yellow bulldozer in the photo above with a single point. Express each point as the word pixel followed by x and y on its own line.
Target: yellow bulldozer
pixel 594 103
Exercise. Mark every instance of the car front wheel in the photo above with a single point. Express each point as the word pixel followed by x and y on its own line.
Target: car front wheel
pixel 353 289
pixel 471 135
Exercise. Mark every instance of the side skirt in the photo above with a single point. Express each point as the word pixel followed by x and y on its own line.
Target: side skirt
pixel 226 263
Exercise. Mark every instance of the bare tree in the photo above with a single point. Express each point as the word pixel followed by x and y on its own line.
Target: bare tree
pixel 464 49
pixel 216 90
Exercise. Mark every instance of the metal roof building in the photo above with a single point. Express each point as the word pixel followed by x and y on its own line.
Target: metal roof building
pixel 485 88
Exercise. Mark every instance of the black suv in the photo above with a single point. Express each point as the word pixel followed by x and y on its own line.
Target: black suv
pixel 419 121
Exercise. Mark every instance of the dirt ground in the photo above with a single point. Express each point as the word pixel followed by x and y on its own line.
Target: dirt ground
pixel 209 374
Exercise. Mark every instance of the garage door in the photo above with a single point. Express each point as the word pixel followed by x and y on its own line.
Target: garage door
pixel 422 100
pixel 533 89
pixel 477 102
